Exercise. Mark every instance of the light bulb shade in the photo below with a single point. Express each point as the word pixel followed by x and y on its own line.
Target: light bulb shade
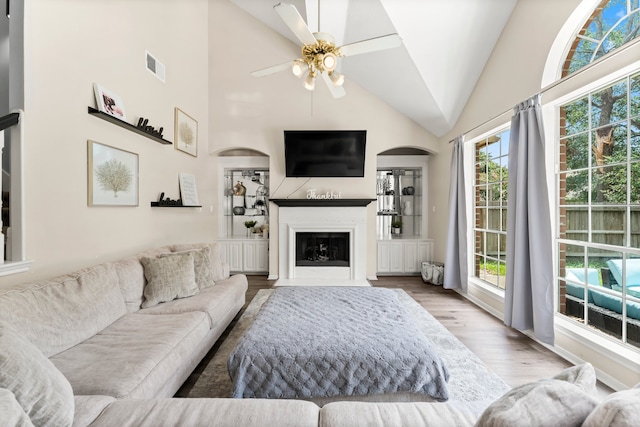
pixel 298 68
pixel 310 82
pixel 329 61
pixel 337 78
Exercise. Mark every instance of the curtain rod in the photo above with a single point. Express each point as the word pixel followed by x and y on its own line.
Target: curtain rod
pixel 558 82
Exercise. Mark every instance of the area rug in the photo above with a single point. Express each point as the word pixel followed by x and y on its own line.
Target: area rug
pixel 470 379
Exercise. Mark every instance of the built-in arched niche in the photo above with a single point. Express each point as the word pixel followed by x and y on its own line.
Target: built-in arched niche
pixel 243 215
pixel 401 211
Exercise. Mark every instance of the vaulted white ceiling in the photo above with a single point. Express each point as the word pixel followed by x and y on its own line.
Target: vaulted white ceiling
pixel 446 44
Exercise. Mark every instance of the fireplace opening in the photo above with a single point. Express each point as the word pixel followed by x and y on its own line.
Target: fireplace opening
pixel 325 249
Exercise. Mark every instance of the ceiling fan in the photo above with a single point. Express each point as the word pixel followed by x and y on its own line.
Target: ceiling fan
pixel 320 54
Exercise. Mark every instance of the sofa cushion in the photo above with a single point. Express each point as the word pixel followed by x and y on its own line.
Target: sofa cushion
pixel 89 407
pixel 564 400
pixel 136 354
pixel 59 313
pixel 168 277
pixel 620 409
pixel 217 301
pixel 43 392
pixel 202 263
pixel 131 280
pixel 11 411
pixel 369 414
pixel 219 268
pixel 209 412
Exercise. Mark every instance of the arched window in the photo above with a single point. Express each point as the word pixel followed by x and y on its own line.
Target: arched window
pixel 612 24
pixel 598 182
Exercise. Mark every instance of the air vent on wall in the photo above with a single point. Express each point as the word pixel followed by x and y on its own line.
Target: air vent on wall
pixel 156 67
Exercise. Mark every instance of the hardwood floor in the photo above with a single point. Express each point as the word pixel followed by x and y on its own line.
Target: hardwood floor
pixel 513 356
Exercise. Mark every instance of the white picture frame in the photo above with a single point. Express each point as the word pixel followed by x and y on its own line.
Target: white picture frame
pixel 109 102
pixel 186 133
pixel 112 176
pixel 188 190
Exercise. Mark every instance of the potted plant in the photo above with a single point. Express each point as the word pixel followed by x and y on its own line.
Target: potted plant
pixel 396 225
pixel 249 225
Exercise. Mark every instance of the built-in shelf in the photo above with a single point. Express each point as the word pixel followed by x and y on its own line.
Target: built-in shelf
pixel 129 126
pixel 158 205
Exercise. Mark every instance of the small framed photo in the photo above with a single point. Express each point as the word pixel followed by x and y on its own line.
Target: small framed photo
pixel 112 176
pixel 186 133
pixel 109 102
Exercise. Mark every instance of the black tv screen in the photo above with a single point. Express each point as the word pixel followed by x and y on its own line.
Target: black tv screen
pixel 324 153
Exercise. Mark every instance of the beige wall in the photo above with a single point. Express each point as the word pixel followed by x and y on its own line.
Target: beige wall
pixel 252 112
pixel 69 45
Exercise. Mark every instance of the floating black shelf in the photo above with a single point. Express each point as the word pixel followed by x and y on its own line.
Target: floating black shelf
pixel 321 202
pixel 129 126
pixel 158 205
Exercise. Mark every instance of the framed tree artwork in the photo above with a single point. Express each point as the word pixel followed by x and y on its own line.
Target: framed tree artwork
pixel 112 176
pixel 186 133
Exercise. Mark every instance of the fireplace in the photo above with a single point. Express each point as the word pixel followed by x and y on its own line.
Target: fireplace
pixel 325 249
pixel 322 241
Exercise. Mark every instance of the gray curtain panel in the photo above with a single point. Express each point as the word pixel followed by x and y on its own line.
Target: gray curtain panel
pixel 455 270
pixel 529 287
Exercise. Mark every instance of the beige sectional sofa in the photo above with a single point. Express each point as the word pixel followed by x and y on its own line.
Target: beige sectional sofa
pixel 110 344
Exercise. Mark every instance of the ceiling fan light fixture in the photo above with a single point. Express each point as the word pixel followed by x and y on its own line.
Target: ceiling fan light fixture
pixel 336 78
pixel 298 68
pixel 329 61
pixel 310 82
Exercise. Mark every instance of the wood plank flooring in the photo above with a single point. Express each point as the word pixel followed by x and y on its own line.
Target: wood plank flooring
pixel 514 357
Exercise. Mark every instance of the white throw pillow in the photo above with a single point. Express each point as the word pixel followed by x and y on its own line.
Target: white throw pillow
pixel 621 409
pixel 564 400
pixel 44 394
pixel 168 277
pixel 202 262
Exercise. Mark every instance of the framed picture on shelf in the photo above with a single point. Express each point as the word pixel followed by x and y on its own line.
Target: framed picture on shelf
pixel 186 133
pixel 188 191
pixel 112 176
pixel 109 102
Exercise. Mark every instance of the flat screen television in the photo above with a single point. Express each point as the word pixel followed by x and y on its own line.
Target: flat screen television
pixel 324 153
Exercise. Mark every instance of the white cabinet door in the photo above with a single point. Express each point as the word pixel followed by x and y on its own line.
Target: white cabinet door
pixel 255 256
pixel 396 258
pixel 411 257
pixel 384 257
pixel 234 258
pixel 262 255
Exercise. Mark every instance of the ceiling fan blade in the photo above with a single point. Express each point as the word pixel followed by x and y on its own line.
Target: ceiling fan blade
pixel 371 45
pixel 336 91
pixel 271 70
pixel 294 21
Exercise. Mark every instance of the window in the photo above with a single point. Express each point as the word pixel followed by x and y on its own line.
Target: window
pixel 490 207
pixel 612 24
pixel 599 210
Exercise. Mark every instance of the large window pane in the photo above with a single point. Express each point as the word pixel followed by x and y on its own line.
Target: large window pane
pixel 599 208
pixel 575 117
pixel 490 208
pixel 577 188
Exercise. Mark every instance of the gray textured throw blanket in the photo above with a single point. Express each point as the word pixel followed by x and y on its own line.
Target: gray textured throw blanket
pixel 335 341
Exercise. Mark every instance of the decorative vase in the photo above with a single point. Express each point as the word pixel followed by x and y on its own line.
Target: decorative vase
pixel 239 189
pixel 409 191
pixel 238 210
pixel 407 207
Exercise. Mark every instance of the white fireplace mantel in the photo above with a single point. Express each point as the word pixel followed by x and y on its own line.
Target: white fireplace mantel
pixel 337 215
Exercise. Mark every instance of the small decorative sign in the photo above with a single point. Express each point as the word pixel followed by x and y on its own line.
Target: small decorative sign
pixel 188 189
pixel 313 194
